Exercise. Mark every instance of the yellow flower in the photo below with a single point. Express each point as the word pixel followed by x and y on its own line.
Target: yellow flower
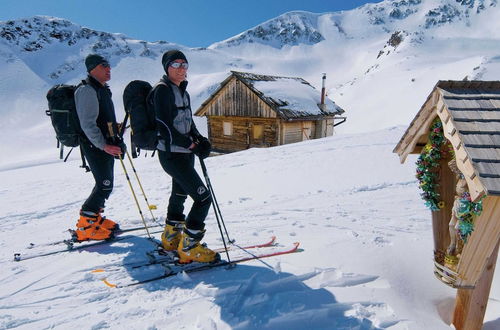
pixel 441 204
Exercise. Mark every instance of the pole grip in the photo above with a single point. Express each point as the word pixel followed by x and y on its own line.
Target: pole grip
pixel 110 130
pixel 124 124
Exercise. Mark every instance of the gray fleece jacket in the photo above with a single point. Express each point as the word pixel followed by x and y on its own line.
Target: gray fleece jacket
pixel 87 108
pixel 95 110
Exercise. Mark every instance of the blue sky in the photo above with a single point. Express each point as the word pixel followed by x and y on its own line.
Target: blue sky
pixel 194 23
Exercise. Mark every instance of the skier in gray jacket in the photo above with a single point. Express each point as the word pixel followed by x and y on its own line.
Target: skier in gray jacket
pixel 96 113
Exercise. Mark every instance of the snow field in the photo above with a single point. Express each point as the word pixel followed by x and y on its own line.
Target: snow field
pixel 366 258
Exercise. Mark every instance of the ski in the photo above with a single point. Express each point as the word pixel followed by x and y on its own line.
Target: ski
pixel 230 247
pixel 176 268
pixel 161 256
pixel 70 241
pixel 70 244
pixel 236 246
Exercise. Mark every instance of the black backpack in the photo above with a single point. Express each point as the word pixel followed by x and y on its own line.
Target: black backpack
pixel 62 112
pixel 138 105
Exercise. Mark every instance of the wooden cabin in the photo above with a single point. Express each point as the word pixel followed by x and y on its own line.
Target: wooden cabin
pixel 250 110
pixel 469 112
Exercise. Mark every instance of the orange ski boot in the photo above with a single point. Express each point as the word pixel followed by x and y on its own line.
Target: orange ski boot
pixel 88 218
pixel 87 228
pixel 107 223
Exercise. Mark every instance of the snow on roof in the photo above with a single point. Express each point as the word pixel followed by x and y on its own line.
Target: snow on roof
pixel 292 97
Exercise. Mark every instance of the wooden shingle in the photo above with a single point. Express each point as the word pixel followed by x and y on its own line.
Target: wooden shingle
pixel 470 111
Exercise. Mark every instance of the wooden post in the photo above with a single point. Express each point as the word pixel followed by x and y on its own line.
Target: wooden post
pixel 441 218
pixel 470 305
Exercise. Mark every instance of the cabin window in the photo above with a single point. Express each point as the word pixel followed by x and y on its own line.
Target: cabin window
pixel 227 127
pixel 258 132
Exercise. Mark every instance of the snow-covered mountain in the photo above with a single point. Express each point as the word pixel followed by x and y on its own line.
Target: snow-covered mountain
pixel 417 16
pixel 290 29
pixel 381 59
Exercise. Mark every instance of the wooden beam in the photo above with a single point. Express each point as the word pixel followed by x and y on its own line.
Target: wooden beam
pixel 470 305
pixel 464 163
pixel 481 243
pixel 420 125
pixel 441 218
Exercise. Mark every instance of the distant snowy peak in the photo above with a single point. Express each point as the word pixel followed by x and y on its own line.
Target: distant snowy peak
pixel 41 39
pixel 39 32
pixel 299 27
pixel 430 13
pixel 291 29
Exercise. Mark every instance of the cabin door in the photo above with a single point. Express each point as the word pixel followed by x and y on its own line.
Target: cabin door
pixel 256 135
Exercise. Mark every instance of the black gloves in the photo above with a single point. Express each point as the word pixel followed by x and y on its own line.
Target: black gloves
pixel 120 143
pixel 202 148
pixel 122 146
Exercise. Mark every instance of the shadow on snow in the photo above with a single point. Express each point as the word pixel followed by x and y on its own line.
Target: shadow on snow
pixel 255 297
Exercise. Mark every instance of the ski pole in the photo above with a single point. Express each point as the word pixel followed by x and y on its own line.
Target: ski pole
pixel 216 211
pixel 112 135
pixel 215 203
pixel 150 206
pixel 121 132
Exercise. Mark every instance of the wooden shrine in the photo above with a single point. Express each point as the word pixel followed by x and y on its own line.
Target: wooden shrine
pixel 466 162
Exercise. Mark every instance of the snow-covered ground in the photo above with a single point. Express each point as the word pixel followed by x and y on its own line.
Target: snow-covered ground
pixel 366 240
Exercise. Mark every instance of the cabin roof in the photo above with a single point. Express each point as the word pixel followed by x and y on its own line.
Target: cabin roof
pixel 470 112
pixel 291 97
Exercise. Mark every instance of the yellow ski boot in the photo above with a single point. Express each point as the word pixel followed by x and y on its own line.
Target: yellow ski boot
pixel 190 249
pixel 172 235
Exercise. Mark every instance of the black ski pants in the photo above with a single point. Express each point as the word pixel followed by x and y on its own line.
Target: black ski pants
pixel 102 166
pixel 185 181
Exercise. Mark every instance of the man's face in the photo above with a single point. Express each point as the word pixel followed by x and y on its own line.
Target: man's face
pixel 177 75
pixel 102 73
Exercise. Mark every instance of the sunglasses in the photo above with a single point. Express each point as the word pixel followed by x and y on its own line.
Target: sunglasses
pixel 177 65
pixel 105 64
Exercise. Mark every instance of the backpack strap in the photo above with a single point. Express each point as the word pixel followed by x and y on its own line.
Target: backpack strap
pixel 135 150
pixel 161 82
pixel 69 153
pixel 85 82
pixel 84 163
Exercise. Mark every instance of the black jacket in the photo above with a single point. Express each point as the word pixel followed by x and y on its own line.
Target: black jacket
pixel 106 108
pixel 166 112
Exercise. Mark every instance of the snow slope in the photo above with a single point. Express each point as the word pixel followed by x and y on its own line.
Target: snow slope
pixel 365 234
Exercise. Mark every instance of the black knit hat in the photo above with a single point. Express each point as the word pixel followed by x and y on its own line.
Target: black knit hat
pixel 171 56
pixel 93 60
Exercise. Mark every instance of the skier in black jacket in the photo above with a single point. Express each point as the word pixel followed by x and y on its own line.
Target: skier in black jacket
pixel 178 142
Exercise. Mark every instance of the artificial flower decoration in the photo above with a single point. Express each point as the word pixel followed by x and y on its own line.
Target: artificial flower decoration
pixel 428 166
